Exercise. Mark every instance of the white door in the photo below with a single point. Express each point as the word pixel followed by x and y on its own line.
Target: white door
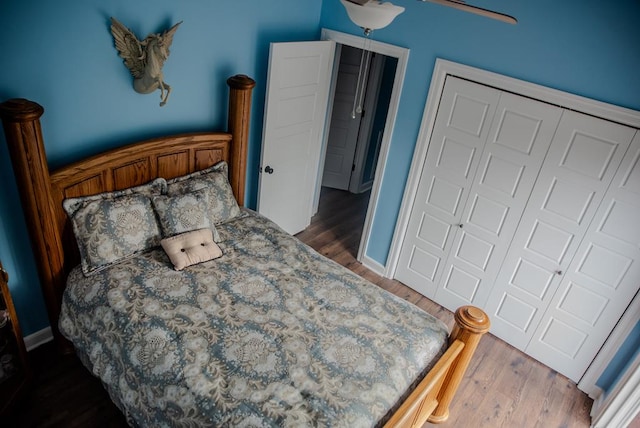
pixel 543 292
pixel 517 211
pixel 461 128
pixel 345 123
pixel 509 164
pixel 295 111
pixel 601 280
pixel 483 159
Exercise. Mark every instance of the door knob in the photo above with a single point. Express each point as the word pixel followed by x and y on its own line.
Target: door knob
pixel 268 169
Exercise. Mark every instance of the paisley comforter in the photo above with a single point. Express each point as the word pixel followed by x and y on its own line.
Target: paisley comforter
pixel 270 334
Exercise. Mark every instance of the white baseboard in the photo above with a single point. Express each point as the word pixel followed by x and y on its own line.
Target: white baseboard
pixel 373 265
pixel 38 338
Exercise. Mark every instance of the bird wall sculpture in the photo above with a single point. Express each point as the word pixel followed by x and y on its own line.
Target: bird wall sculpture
pixel 145 58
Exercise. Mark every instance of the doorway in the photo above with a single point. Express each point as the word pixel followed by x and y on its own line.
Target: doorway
pixel 363 87
pixel 299 99
pixel 374 132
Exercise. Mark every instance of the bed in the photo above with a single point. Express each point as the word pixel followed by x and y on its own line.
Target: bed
pixel 260 331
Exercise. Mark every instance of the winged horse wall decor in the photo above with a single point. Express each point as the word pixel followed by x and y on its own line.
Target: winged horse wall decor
pixel 145 58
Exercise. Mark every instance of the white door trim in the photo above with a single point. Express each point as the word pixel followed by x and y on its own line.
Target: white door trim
pixel 402 54
pixel 623 402
pixel 553 96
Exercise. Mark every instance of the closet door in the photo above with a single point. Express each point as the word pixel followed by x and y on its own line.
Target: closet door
pixel 600 281
pixel 576 174
pixel 460 131
pixel 518 141
pixel 472 191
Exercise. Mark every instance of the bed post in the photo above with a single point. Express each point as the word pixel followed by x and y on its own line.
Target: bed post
pixel 21 122
pixel 239 112
pixel 470 324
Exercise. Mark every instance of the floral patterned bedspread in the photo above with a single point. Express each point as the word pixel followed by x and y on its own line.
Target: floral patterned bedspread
pixel 270 334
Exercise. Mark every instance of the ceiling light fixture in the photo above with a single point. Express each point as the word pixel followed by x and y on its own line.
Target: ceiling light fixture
pixel 371 14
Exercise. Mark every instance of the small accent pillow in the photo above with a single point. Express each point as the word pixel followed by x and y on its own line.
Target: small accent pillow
pixel 185 212
pixel 191 248
pixel 113 226
pixel 222 203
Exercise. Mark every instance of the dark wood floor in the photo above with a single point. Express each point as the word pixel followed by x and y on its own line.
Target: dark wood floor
pixel 503 387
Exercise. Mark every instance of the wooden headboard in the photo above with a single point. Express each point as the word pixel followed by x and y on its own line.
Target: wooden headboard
pixel 42 192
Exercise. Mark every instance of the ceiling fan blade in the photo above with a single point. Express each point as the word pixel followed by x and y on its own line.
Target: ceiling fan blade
pixel 477 10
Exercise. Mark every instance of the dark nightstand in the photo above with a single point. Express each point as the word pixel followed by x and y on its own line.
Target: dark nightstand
pixel 15 373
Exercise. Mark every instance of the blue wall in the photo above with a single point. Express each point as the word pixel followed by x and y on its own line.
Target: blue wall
pixel 61 55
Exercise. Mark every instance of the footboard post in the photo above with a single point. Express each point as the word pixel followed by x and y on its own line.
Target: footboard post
pixel 471 324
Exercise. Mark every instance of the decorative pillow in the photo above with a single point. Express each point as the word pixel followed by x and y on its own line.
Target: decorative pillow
pixel 153 188
pixel 191 248
pixel 185 212
pixel 110 230
pixel 222 203
pixel 105 231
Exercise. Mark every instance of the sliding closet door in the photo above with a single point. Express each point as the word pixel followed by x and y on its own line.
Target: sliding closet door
pixel 461 128
pixel 576 174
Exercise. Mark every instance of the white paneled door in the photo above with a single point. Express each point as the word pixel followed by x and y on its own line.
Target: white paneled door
pixel 485 153
pixel 529 211
pixel 295 113
pixel 462 125
pixel 518 140
pixel 584 284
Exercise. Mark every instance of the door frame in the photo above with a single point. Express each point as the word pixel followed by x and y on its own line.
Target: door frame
pixel 402 55
pixel 444 68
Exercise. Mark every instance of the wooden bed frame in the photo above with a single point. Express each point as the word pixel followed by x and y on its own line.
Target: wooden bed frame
pixel 55 249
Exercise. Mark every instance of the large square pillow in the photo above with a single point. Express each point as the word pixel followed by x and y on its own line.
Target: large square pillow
pixel 184 212
pixel 222 203
pixel 113 226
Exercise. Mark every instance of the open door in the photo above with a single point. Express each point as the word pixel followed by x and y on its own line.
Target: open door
pixel 298 86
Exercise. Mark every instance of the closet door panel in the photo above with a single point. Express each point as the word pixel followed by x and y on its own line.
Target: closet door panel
pixel 601 280
pixel 461 128
pixel 518 141
pixel 576 173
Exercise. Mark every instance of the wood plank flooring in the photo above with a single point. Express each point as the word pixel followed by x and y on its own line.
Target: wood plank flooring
pixel 502 388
